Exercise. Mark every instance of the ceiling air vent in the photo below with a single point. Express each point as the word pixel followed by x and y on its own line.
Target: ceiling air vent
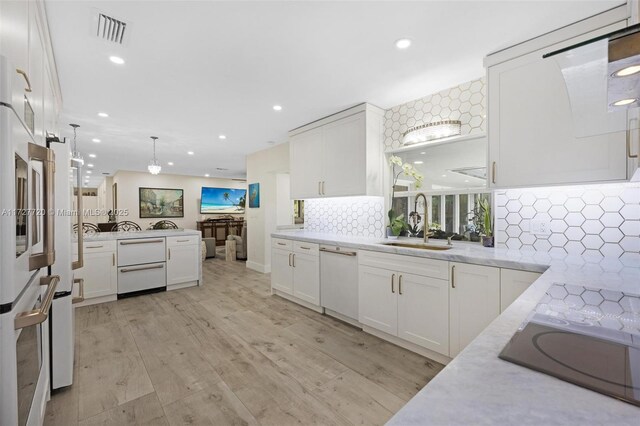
pixel 110 29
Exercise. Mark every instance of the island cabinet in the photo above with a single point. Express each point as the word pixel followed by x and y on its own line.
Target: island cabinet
pixel 405 297
pixel 534 136
pixel 99 271
pixel 339 155
pixel 183 260
pixel 295 271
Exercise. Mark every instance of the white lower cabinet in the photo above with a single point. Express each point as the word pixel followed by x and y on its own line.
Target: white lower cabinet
pixel 512 284
pixel 183 260
pixel 99 271
pixel 295 270
pixel 377 304
pixel 474 301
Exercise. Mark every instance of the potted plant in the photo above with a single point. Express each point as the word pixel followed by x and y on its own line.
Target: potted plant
pixel 485 216
pixel 397 224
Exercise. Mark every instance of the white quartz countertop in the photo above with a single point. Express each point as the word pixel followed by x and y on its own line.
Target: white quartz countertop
pixel 477 387
pixel 151 233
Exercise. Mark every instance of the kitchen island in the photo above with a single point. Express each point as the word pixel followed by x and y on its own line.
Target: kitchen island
pixel 477 387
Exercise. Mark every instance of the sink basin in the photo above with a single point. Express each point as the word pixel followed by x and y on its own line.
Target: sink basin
pixel 421 246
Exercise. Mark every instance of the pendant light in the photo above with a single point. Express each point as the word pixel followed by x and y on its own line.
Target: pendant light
pixel 154 166
pixel 75 155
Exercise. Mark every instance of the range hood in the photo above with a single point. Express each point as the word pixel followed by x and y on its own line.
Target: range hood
pixel 602 77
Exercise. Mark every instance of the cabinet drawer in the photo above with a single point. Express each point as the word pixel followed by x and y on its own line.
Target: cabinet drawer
pixel 282 244
pixel 141 250
pixel 141 277
pixel 306 248
pixel 185 240
pixel 408 264
pixel 95 246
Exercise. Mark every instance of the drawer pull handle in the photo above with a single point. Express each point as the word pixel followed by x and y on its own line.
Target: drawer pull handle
pixel 126 243
pixel 144 268
pixel 94 247
pixel 281 244
pixel 183 241
pixel 40 315
pixel 393 277
pixel 305 248
pixel 80 297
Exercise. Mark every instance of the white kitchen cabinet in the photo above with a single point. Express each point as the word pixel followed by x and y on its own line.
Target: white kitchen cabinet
pixel 340 155
pixel 423 311
pixel 512 284
pixel 306 170
pixel 99 271
pixel 532 139
pixel 281 270
pixel 412 307
pixel 36 73
pixel 14 32
pixel 377 302
pixel 183 263
pixel 474 301
pixel 306 277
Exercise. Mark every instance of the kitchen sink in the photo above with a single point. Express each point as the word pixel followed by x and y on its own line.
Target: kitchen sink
pixel 421 246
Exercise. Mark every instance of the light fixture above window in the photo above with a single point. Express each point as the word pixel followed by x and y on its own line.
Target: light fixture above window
pixel 431 132
pixel 76 157
pixel 154 166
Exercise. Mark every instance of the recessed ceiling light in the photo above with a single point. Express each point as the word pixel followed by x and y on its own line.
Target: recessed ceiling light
pixel 170 163
pixel 116 60
pixel 222 137
pixel 418 162
pixel 190 152
pixel 206 175
pixel 633 69
pixel 89 171
pixel 466 180
pixel 403 43
pixel 92 155
pixel 277 108
pixel 96 140
pixel 623 102
pixel 103 114
pixel 444 175
pixel 89 165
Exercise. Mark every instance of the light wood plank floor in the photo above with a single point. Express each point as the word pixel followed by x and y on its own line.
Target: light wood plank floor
pixel 230 353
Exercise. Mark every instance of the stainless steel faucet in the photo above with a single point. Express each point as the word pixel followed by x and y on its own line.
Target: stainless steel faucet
pixel 425 217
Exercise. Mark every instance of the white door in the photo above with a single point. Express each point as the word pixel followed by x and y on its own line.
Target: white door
pixel 377 299
pixel 281 270
pixel 306 278
pixel 474 302
pixel 182 264
pixel 345 157
pixel 513 284
pixel 423 311
pixel 306 164
pixel 99 273
pixel 532 140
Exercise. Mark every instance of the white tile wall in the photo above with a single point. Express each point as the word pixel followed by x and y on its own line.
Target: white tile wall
pixel 600 220
pixel 465 102
pixel 357 216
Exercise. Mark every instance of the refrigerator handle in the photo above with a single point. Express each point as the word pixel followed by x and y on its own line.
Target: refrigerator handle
pixel 80 262
pixel 48 159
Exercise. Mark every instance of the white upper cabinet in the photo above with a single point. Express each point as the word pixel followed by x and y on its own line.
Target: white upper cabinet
pixel 340 155
pixel 532 134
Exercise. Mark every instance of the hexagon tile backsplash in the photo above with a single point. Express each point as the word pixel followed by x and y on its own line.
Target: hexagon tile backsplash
pixel 600 220
pixel 465 102
pixel 357 216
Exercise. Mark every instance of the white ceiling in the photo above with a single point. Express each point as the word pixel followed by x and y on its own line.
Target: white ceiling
pixel 195 70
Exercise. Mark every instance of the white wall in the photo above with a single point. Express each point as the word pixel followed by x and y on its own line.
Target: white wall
pixel 263 167
pixel 130 182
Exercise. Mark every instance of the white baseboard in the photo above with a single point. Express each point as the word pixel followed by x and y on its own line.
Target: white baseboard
pixel 259 267
pixel 443 359
pixel 343 318
pixel 300 302
pixel 182 285
pixel 96 300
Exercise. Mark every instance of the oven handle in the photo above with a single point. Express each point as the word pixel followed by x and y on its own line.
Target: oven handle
pixel 79 213
pixel 80 297
pixel 40 315
pixel 48 159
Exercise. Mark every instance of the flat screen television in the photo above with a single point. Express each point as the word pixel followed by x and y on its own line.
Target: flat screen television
pixel 222 200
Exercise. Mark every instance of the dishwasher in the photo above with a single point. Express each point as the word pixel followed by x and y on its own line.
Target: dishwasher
pixel 339 283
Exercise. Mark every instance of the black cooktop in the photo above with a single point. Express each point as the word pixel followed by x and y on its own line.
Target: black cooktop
pixel 585 336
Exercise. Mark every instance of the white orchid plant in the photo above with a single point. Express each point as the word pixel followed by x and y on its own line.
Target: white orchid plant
pixel 398 168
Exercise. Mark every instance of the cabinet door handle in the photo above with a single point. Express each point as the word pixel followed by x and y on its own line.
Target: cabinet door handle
pixel 169 254
pixel 400 285
pixel 453 276
pixel 289 259
pixel 393 277
pixel 493 172
pixel 26 79
pixel 113 259
pixel 319 188
pixel 323 188
pixel 294 260
pixel 80 297
pixel 629 143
